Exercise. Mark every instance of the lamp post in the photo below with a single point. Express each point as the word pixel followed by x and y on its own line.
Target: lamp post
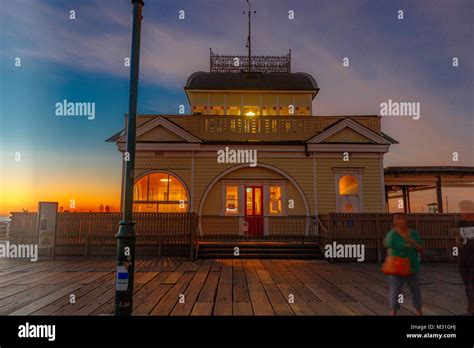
pixel 126 234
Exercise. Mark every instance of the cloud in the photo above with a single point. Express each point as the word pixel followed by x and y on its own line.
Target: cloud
pixel 388 59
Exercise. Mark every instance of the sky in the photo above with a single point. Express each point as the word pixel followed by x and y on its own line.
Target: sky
pixel 44 157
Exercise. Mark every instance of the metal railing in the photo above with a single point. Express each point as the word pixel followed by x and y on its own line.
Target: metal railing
pixel 238 63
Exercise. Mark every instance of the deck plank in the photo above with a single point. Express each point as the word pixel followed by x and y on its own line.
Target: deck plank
pixel 221 287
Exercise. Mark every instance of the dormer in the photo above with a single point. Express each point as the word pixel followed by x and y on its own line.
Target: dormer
pixel 267 88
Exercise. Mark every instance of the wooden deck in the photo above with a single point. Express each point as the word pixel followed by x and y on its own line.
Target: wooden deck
pixel 219 287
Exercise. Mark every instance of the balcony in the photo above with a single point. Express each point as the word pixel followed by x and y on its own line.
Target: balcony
pixel 260 128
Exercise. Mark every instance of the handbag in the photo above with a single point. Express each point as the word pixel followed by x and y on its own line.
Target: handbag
pixel 396 265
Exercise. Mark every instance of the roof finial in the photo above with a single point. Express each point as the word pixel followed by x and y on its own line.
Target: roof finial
pixel 249 42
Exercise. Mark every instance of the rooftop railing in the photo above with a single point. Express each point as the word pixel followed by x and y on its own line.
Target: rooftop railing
pixel 263 128
pixel 238 63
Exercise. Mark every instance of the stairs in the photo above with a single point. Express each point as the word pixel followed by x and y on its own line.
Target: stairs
pixel 259 249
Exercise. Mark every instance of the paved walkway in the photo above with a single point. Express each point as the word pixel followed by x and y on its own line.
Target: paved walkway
pixel 219 287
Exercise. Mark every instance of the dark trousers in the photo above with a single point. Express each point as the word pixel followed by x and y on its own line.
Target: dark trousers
pixel 467 274
pixel 396 282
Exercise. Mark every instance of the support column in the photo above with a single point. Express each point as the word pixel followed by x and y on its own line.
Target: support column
pixel 439 194
pixel 387 205
pixel 405 200
pixel 408 200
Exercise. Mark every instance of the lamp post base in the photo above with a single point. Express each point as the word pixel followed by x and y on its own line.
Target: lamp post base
pixel 126 237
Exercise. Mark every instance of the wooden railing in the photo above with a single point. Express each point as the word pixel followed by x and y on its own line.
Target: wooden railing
pixel 98 229
pixel 94 230
pixel 219 227
pixel 23 227
pixel 4 229
pixel 371 229
pixel 263 128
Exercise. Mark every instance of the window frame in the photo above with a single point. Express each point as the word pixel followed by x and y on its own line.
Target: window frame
pixel 282 187
pixel 162 202
pixel 357 173
pixel 225 211
pixel 240 184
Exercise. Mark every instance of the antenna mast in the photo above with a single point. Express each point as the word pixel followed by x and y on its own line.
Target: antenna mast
pixel 249 42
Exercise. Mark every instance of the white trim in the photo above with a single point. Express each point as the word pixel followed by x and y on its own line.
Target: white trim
pixel 169 172
pixel 353 155
pixel 262 165
pixel 269 151
pixel 349 147
pixel 355 126
pixel 356 172
pixel 284 199
pixel 224 186
pixel 241 184
pixel 258 147
pixel 167 124
pixel 162 146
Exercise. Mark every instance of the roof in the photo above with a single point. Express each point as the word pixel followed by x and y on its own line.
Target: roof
pixel 252 81
pixel 431 170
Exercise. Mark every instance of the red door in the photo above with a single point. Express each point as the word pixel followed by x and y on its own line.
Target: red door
pixel 254 210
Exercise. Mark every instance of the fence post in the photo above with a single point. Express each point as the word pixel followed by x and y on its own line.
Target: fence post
pixel 159 245
pixel 330 230
pixel 191 237
pixel 86 242
pixel 378 236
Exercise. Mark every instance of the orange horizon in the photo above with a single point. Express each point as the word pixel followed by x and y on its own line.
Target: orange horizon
pixel 88 203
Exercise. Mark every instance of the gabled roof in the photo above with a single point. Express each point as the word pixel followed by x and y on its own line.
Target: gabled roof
pixel 252 81
pixel 368 133
pixel 155 123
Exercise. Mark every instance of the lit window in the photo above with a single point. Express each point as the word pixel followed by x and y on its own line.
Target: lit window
pixel 199 110
pixel 284 111
pixel 159 192
pixel 231 200
pixel 251 111
pixel 275 200
pixel 269 111
pixel 302 111
pixel 233 110
pixel 217 110
pixel 348 186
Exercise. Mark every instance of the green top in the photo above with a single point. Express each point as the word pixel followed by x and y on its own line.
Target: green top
pixel 397 247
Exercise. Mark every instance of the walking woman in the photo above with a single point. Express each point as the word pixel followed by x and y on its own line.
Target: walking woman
pixel 465 244
pixel 402 263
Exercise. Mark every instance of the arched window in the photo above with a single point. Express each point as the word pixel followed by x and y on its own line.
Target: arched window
pixel 160 192
pixel 348 186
